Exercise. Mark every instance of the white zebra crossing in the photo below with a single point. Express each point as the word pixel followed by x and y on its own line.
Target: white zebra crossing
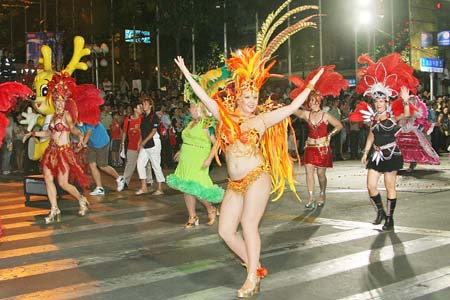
pixel 347 232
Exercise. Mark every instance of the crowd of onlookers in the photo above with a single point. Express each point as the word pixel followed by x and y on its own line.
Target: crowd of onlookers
pixel 173 113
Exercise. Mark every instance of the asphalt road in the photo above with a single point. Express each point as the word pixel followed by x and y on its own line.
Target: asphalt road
pixel 135 247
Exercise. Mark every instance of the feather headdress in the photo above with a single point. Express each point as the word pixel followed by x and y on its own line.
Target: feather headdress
pixel 330 83
pixel 385 77
pixel 82 101
pixel 250 68
pixel 9 93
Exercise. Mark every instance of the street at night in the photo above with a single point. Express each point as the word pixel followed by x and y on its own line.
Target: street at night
pixel 135 247
pixel 227 149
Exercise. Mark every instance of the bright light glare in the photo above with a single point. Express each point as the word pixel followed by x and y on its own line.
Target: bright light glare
pixel 364 3
pixel 365 18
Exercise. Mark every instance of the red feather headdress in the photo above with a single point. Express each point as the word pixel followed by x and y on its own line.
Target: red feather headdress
pixel 82 101
pixel 385 77
pixel 9 93
pixel 330 83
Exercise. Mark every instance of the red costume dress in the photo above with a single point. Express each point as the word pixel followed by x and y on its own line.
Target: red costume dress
pixel 318 155
pixel 56 157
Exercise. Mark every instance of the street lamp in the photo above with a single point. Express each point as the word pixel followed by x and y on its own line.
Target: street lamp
pixel 364 17
pixel 98 52
pixel 225 46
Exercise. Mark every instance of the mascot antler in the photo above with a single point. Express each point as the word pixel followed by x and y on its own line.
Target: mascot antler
pixel 46 59
pixel 78 52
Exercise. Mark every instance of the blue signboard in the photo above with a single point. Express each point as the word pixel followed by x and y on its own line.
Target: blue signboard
pixel 351 81
pixel 443 38
pixel 434 65
pixel 137 36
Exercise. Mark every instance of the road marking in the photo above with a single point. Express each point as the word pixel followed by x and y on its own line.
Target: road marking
pixel 325 268
pixel 92 217
pixel 83 261
pixel 411 288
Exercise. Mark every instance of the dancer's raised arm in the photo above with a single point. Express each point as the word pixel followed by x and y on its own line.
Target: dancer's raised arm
pixel 210 104
pixel 273 117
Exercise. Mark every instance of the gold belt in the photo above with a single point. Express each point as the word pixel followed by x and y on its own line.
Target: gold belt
pixel 318 145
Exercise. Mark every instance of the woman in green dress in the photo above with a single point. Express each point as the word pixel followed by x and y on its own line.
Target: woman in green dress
pixel 194 158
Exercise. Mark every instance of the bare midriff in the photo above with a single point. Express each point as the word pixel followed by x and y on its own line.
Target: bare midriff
pixel 242 159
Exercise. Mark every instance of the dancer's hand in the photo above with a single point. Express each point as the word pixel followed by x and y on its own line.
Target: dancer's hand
pixel 26 136
pixel 180 63
pixel 404 93
pixel 176 157
pixel 364 159
pixel 207 163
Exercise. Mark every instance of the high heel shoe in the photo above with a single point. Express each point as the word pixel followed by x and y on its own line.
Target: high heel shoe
pixel 83 206
pixel 381 215
pixel 212 216
pixel 194 221
pixel 311 204
pixel 322 199
pixel 54 216
pixel 389 224
pixel 255 287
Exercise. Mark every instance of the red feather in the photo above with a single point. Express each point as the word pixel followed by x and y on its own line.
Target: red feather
pixel 10 92
pixel 357 116
pixel 394 65
pixel 88 100
pixel 330 83
pixel 3 124
pixel 299 83
pixel 398 108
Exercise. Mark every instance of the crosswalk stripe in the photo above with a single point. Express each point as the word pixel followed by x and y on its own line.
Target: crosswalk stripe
pixel 323 269
pixel 94 241
pixel 83 261
pixel 274 281
pixel 411 288
pixel 13 206
pixel 92 217
pixel 102 206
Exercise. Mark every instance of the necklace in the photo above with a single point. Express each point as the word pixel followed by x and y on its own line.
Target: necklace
pixel 58 115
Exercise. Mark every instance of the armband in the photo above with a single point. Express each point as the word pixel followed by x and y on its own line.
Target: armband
pixel 333 132
pixel 310 86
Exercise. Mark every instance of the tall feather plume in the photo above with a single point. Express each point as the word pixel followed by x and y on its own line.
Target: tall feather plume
pixel 285 34
pixel 283 19
pixel 266 25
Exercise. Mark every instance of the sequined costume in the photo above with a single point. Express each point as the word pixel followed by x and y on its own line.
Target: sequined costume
pixel 318 155
pixel 190 176
pixel 385 156
pixel 412 141
pixel 57 157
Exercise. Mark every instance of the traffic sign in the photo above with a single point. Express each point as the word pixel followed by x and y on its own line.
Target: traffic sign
pixel 433 65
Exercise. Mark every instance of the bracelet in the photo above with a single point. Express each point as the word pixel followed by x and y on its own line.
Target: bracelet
pixel 405 103
pixel 333 132
pixel 33 133
pixel 310 86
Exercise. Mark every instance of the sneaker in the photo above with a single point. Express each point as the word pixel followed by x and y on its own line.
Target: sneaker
pixel 99 191
pixel 120 183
